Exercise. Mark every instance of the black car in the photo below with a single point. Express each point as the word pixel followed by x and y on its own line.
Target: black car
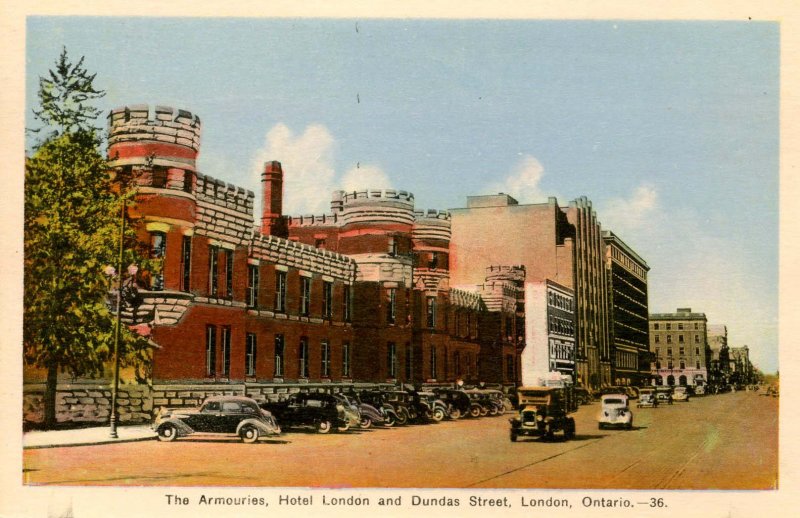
pixel 220 414
pixel 322 412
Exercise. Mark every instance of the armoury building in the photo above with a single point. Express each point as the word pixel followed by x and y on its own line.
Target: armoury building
pixel 375 290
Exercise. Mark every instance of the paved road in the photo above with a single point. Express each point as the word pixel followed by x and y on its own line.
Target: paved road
pixel 729 441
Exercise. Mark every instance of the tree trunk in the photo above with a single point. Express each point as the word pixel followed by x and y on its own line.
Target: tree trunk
pixel 50 397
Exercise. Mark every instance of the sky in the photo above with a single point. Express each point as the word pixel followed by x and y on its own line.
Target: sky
pixel 670 128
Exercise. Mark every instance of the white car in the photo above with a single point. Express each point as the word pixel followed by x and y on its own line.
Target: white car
pixel 680 394
pixel 614 411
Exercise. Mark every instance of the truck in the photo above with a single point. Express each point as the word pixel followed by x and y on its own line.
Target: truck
pixel 544 411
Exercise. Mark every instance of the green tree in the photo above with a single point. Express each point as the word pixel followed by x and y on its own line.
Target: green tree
pixel 71 229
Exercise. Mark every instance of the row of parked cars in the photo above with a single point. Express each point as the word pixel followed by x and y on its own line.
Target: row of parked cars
pixel 326 412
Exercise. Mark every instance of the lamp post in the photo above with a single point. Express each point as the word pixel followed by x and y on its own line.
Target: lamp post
pixel 115 383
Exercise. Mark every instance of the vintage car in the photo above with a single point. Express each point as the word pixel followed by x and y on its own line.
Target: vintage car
pixel 378 400
pixel 543 412
pixel 457 402
pixel 429 406
pixel 647 398
pixel 322 412
pixel 487 404
pixel 219 414
pixel 369 414
pixel 664 395
pixel 614 411
pixel 352 412
pixel 699 390
pixel 583 396
pixel 680 394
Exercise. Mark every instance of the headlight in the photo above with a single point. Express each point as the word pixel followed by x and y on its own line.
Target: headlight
pixel 339 407
pixel 539 418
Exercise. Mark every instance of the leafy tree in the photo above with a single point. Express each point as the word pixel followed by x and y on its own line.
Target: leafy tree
pixel 73 207
pixel 65 96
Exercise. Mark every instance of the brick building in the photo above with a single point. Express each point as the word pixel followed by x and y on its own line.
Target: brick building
pixel 360 294
pixel 679 342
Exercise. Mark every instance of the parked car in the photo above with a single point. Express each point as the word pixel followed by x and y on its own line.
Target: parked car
pixel 378 400
pixel 614 411
pixel 352 412
pixel 369 414
pixel 680 394
pixel 322 412
pixel 220 414
pixel 664 395
pixel 583 396
pixel 429 406
pixel 543 412
pixel 647 398
pixel 457 402
pixel 699 390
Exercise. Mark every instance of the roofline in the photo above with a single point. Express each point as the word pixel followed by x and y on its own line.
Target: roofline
pixel 608 235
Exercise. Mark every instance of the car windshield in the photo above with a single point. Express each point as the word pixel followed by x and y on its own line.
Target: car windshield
pixel 613 401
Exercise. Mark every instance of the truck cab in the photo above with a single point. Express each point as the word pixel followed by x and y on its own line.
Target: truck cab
pixel 543 411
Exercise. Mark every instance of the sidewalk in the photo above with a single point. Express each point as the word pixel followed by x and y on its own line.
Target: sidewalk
pixel 85 436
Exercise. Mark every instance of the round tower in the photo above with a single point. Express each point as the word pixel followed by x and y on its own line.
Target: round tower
pixel 431 240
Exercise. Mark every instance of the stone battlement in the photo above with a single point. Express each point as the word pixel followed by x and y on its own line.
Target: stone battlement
pixel 313 220
pixel 369 195
pixel 432 214
pixel 224 210
pixel 304 257
pixel 466 299
pixel 505 273
pixel 137 123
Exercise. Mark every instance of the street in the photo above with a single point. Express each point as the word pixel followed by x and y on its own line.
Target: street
pixel 728 441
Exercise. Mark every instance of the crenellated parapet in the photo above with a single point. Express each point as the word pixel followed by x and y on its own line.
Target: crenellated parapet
pixel 467 299
pixel 431 225
pixel 137 123
pixel 224 210
pixel 380 207
pixel 499 295
pixel 314 220
pixel 303 257
pixel 505 273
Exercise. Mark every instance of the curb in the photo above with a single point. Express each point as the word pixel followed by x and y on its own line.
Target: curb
pixel 95 443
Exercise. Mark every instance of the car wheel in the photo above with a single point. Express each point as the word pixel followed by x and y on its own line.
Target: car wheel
pixel 343 428
pixel 513 437
pixel 630 424
pixel 437 415
pixel 569 429
pixel 389 421
pixel 475 411
pixel 167 432
pixel 324 427
pixel 484 411
pixel 493 411
pixel 402 416
pixel 365 422
pixel 249 434
pixel 454 414
pixel 600 426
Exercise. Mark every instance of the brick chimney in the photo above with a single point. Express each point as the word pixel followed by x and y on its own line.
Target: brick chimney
pixel 272 211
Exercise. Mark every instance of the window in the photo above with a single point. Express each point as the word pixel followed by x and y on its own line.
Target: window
pixel 696 325
pixel 250 355
pixel 345 360
pixel 433 362
pixel 431 310
pixel 280 292
pixel 327 299
pixel 697 339
pixel 669 351
pixel 683 364
pixel 680 326
pixel 697 351
pixel 188 181
pixel 211 351
pixel 226 352
pixel 655 326
pixel 457 363
pixel 658 351
pixel 669 365
pixel 680 339
pixel 657 339
pixel 302 355
pixel 682 350
pixel 697 364
pixel 159 177
pixel 669 339
pixel 213 257
pixel 391 360
pixel 186 263
pixel 392 246
pixel 347 303
pixel 229 274
pixel 658 365
pixel 279 362
pixel 305 296
pixel 669 326
pixel 252 285
pixel 509 367
pixel 319 243
pixel 434 261
pixel 325 360
pixel 409 361
pixel 391 304
pixel 158 251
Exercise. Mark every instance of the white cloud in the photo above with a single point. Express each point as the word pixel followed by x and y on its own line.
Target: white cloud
pixel 309 174
pixel 369 177
pixel 523 181
pixel 621 214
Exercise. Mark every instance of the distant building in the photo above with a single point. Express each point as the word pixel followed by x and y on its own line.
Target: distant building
pixel 679 342
pixel 719 354
pixel 628 320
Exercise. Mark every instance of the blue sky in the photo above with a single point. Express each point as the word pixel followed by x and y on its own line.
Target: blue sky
pixel 670 128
